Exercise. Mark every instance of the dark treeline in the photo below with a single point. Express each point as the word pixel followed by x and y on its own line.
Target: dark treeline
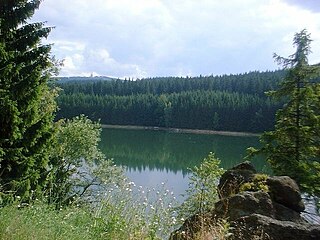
pixel 228 102
pixel 250 83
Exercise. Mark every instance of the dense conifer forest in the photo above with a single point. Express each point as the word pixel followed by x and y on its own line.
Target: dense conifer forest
pixel 229 102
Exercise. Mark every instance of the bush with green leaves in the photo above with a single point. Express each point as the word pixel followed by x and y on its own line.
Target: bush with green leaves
pixel 78 168
pixel 202 192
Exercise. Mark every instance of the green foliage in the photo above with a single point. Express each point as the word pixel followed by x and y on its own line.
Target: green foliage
pixel 217 102
pixel 293 148
pixel 89 197
pixel 76 139
pixel 108 205
pixel 26 101
pixel 76 161
pixel 258 183
pixel 202 192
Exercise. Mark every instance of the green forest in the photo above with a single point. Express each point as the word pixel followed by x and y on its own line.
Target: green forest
pixel 228 102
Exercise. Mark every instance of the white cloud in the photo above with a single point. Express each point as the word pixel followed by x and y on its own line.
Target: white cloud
pixel 69 46
pixel 311 5
pixel 98 62
pixel 164 37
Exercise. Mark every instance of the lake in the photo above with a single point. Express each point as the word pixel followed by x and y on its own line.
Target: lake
pixel 154 157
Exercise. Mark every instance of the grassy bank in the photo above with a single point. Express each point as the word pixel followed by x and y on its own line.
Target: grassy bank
pixel 128 212
pixel 41 221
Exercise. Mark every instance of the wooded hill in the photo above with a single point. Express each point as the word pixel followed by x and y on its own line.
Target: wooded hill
pixel 228 102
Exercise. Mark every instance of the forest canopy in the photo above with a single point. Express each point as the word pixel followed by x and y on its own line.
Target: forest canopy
pixel 228 102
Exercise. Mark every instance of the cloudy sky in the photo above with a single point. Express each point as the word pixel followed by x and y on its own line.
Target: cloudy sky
pixel 148 38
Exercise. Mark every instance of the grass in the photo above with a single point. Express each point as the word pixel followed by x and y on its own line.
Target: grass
pixel 41 221
pixel 122 213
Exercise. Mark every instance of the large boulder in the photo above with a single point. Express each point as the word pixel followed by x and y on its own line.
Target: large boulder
pixel 247 203
pixel 244 204
pixel 264 227
pixel 284 190
pixel 232 179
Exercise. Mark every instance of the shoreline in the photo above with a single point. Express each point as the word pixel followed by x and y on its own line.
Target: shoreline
pixel 183 130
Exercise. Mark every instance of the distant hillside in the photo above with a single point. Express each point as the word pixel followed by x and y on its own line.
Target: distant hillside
pixel 235 102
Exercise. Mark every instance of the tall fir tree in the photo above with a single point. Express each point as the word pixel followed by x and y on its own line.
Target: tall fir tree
pixel 26 102
pixel 293 148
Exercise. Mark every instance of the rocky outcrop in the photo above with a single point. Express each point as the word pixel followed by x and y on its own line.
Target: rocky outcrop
pixel 270 210
pixel 247 203
pixel 253 225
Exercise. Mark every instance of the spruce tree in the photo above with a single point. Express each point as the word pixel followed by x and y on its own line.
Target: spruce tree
pixel 293 148
pixel 26 102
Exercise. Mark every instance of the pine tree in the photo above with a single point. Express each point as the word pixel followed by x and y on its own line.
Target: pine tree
pixel 293 148
pixel 26 102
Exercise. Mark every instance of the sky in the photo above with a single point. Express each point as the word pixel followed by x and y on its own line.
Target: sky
pixel 153 38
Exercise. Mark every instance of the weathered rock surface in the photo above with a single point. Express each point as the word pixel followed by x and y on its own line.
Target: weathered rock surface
pixel 247 203
pixel 232 179
pixel 265 227
pixel 282 189
pixel 285 191
pixel 244 204
pixel 273 215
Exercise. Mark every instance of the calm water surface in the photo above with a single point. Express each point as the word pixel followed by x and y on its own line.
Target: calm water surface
pixel 153 157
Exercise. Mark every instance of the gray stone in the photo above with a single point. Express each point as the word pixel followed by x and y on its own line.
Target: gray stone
pixel 255 225
pixel 244 204
pixel 247 203
pixel 232 179
pixel 285 191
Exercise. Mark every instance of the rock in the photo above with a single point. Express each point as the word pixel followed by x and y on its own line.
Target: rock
pixel 283 213
pixel 244 204
pixel 232 179
pixel 285 191
pixel 264 227
pixel 247 203
pixel 256 214
pixel 282 189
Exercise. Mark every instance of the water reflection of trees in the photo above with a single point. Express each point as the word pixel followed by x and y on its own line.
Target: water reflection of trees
pixel 140 150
